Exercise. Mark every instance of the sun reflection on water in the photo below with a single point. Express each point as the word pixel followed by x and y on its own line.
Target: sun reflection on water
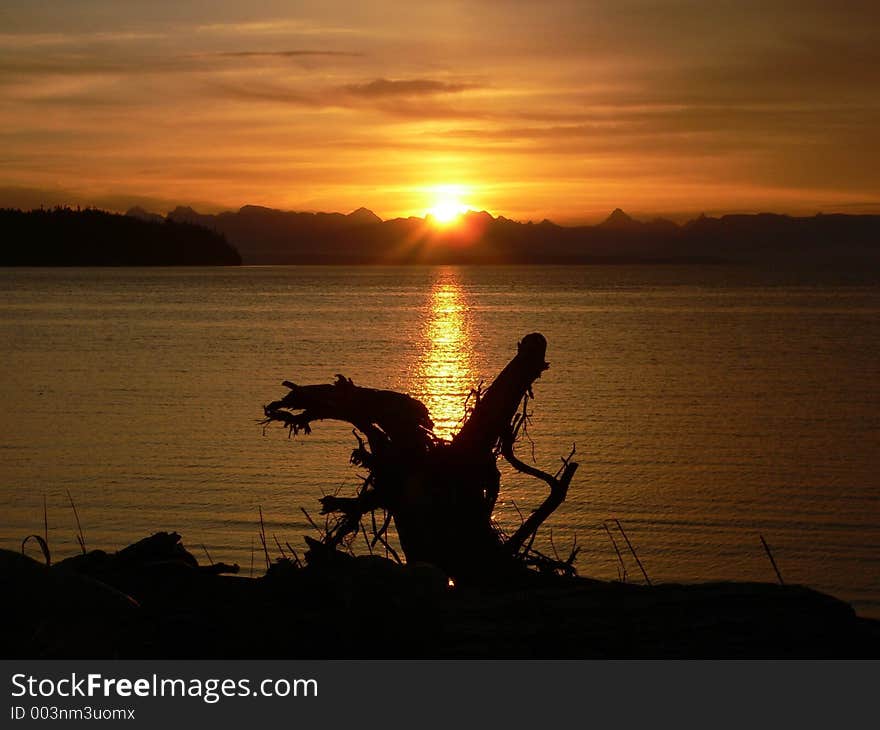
pixel 445 372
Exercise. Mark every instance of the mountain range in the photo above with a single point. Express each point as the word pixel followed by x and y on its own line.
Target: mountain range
pixel 269 236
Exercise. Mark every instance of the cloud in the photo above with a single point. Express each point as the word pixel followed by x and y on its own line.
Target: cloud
pixel 285 54
pixel 140 63
pixel 39 40
pixel 270 93
pixel 29 198
pixel 381 88
pixel 414 99
pixel 276 26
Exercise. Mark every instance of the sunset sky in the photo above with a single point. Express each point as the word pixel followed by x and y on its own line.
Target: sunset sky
pixel 554 109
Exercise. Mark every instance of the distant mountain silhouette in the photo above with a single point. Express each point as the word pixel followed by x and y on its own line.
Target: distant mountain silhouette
pixel 363 215
pixel 619 219
pixel 269 236
pixel 67 237
pixel 144 215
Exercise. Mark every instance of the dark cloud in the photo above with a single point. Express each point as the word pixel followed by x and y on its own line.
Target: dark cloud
pixel 29 198
pixel 770 122
pixel 411 100
pixel 380 88
pixel 286 54
pixel 138 63
pixel 271 94
pixel 75 65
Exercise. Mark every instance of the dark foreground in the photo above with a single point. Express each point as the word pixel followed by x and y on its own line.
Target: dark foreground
pixel 153 600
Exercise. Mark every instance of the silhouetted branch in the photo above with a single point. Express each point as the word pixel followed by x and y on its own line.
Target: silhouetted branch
pixel 772 560
pixel 558 492
pixel 439 494
pixel 632 550
pixel 381 415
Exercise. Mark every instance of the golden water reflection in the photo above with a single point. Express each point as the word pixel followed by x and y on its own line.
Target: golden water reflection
pixel 445 372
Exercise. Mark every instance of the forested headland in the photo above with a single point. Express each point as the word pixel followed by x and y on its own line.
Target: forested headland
pixel 90 237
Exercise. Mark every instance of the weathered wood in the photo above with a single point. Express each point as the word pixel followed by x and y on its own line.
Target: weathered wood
pixel 440 494
pixel 399 418
pixel 493 414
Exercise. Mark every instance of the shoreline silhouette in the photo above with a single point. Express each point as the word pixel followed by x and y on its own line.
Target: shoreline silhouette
pixel 265 236
pixel 154 599
pixel 91 237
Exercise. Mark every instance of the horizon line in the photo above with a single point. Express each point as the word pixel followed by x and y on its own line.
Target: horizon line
pixel 638 217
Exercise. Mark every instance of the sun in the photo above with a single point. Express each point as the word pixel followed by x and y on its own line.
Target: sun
pixel 447 207
pixel 446 211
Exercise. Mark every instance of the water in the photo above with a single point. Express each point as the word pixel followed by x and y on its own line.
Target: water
pixel 708 405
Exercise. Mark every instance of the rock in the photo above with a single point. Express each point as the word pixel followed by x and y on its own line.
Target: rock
pixel 369 607
pixel 60 613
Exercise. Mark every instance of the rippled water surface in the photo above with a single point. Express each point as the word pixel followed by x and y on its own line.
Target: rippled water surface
pixel 708 405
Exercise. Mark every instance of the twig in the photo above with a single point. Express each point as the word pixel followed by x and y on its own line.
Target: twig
pixel 772 561
pixel 210 560
pixel 278 545
pixel 622 567
pixel 44 547
pixel 377 535
pixel 521 423
pixel 263 539
pixel 633 551
pixel 80 537
pixel 389 549
pixel 366 539
pixel 45 520
pixel 320 532
pixel 575 549
pixel 565 460
pixel 553 546
pixel 295 555
pixel 518 511
pixel 547 564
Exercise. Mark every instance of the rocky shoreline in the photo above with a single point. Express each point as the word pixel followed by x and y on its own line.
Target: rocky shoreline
pixel 154 600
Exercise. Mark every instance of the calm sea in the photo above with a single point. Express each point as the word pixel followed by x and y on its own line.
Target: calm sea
pixel 708 405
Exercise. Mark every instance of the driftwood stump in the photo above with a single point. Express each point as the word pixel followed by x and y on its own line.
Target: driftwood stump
pixel 439 493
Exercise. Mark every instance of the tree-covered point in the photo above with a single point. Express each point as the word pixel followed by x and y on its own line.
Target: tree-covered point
pixel 90 237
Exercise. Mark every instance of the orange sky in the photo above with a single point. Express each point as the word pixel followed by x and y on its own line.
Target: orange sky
pixel 557 109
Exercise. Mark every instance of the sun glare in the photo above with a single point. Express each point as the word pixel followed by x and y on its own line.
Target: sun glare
pixel 447 207
pixel 445 373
